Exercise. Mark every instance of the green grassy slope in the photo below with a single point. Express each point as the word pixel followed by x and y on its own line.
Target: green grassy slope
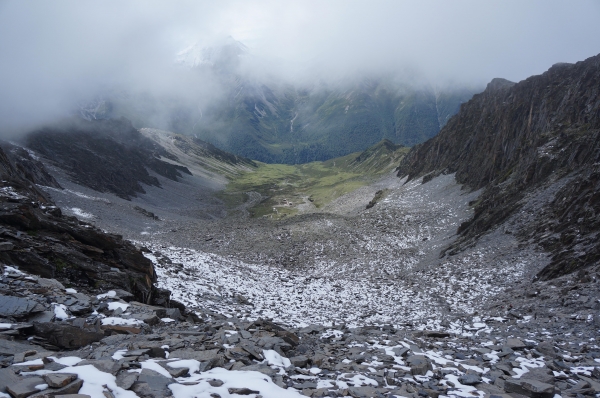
pixel 290 189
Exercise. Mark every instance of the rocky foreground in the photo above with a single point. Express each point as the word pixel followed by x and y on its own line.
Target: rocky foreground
pixel 118 347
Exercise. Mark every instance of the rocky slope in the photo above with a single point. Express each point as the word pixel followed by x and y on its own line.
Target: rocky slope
pixel 534 141
pixel 38 238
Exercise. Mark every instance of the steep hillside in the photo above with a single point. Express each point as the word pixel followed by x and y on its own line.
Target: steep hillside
pixel 39 239
pixel 537 140
pixel 284 124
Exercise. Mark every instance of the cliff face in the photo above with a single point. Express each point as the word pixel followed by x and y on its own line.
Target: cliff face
pixel 105 155
pixel 517 139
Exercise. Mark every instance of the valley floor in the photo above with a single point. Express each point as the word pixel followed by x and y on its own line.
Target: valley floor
pixel 344 267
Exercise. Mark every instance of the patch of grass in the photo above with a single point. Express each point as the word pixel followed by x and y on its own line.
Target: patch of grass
pixel 288 186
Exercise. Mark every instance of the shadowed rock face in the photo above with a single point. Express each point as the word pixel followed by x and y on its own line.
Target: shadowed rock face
pixel 517 139
pixel 105 155
pixel 38 239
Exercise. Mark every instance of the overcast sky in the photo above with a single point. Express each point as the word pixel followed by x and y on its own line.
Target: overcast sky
pixel 54 53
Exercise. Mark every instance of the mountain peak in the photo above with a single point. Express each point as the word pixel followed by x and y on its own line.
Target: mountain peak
pixel 499 83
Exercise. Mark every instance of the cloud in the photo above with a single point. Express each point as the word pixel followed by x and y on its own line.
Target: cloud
pixel 55 54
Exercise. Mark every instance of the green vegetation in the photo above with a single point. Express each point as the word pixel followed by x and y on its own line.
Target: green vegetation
pixel 290 189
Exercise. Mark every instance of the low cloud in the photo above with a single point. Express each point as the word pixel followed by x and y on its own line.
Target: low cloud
pixel 55 55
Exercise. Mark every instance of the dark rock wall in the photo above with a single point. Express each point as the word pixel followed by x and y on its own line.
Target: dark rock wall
pixel 37 238
pixel 105 155
pixel 515 138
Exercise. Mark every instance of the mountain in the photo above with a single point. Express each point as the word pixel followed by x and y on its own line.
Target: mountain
pixel 113 156
pixel 534 147
pixel 37 238
pixel 270 120
pixel 291 125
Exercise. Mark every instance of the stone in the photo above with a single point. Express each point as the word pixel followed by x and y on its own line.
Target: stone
pixel 419 365
pixel 436 334
pixel 547 349
pixel 150 319
pixel 299 361
pixel 529 387
pixel 252 350
pixel 41 317
pixel 242 391
pixel 215 382
pixel 17 306
pixel 66 336
pixel 7 377
pixel 103 365
pixel 6 246
pixel 400 351
pixel 157 352
pixel 73 396
pixel 515 344
pixel 540 374
pixel 58 380
pixel 51 284
pixel 120 329
pixel 469 379
pixel 188 353
pixel 537 389
pixel 25 387
pixel 71 388
pixel 287 336
pixel 126 379
pixel 151 383
pixel 262 368
pixel 177 372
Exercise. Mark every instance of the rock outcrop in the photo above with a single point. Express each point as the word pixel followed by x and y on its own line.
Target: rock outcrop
pixel 539 138
pixel 105 155
pixel 37 238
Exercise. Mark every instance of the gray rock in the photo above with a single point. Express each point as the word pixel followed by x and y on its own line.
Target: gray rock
pixel 242 391
pixel 177 372
pixel 537 389
pixel 469 379
pixel 251 349
pixel 41 317
pixel 25 387
pixel 400 351
pixel 153 384
pixel 299 361
pixel 58 380
pixel 8 347
pixel 265 369
pixel 547 349
pixel 7 377
pixel 150 319
pixel 73 396
pixel 540 374
pixel 515 344
pixel 125 379
pixel 50 283
pixel 103 365
pixel 188 353
pixel 67 336
pixel 6 246
pixel 529 387
pixel 71 388
pixel 17 307
pixel 419 365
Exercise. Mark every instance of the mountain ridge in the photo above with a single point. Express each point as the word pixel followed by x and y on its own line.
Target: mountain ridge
pixel 517 139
